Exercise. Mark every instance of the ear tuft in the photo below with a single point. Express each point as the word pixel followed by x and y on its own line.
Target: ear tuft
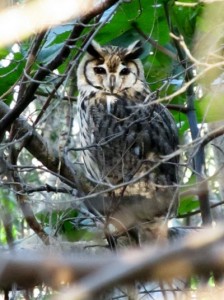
pixel 134 50
pixel 94 49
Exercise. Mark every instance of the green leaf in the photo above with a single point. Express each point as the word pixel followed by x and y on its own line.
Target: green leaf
pixel 185 19
pixel 55 217
pixel 7 200
pixel 58 35
pixel 210 108
pixel 142 14
pixel 3 53
pixel 8 211
pixel 188 204
pixel 10 74
pixel 54 42
pixel 49 53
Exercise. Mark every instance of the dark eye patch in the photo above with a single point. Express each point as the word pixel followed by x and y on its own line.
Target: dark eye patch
pixel 125 71
pixel 99 70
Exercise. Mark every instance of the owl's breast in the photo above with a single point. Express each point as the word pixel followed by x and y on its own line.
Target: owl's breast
pixel 110 102
pixel 103 132
pixel 122 137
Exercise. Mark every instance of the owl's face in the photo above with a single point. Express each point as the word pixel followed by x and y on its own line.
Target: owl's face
pixel 111 69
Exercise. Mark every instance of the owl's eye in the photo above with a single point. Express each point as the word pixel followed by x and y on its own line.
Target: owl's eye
pixel 125 71
pixel 99 70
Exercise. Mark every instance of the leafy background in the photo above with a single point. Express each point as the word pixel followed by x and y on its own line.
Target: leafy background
pixel 196 107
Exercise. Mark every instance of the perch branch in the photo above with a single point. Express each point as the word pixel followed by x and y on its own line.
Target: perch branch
pixel 47 155
pixel 94 274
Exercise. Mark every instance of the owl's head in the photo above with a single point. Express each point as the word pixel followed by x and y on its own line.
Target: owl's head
pixel 111 69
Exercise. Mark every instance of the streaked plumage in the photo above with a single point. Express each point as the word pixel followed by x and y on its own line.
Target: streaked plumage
pixel 125 135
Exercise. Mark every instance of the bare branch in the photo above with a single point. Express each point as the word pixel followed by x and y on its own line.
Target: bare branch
pixel 25 19
pixel 212 135
pixel 161 264
pixel 46 154
pixel 154 43
pixel 177 107
pixel 23 201
pixel 93 274
pixel 30 60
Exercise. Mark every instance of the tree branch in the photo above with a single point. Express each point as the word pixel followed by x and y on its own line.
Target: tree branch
pixel 23 201
pixel 30 60
pixel 212 135
pixel 160 264
pixel 94 274
pixel 154 43
pixel 47 155
pixel 177 107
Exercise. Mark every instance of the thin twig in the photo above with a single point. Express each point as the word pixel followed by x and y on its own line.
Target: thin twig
pixel 177 107
pixel 30 60
pixel 24 202
pixel 154 43
pixel 40 149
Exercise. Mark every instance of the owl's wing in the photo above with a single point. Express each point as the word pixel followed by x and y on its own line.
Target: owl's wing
pixel 168 130
pixel 168 142
pixel 156 136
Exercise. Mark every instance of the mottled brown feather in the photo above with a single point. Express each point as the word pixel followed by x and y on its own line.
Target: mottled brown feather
pixel 126 135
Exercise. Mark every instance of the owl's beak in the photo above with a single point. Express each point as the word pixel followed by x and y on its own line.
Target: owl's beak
pixel 112 83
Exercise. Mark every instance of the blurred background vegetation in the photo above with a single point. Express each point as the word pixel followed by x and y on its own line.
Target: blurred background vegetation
pixel 183 60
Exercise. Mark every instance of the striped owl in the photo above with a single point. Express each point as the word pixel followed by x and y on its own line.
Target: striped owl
pixel 124 137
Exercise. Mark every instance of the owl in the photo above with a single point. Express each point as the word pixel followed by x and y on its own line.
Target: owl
pixel 125 136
